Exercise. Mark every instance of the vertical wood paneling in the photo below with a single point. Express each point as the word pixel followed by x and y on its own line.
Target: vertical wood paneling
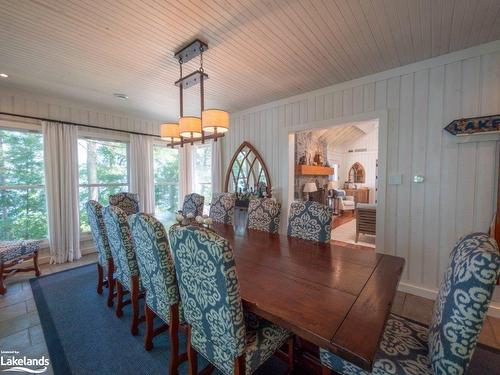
pixel 419 143
pixel 433 178
pixel 422 221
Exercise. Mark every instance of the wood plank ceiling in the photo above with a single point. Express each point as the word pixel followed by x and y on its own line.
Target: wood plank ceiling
pixel 259 50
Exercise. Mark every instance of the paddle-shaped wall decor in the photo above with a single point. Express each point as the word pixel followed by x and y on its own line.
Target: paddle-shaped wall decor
pixel 474 125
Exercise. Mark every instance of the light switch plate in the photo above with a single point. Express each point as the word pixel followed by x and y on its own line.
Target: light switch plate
pixel 396 179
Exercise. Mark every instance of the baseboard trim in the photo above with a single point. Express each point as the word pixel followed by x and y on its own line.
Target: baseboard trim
pixel 431 293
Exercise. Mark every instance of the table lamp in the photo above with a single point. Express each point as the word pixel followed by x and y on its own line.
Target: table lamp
pixel 310 187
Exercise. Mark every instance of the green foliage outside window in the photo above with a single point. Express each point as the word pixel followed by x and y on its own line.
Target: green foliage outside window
pixel 202 172
pixel 23 209
pixel 103 170
pixel 166 169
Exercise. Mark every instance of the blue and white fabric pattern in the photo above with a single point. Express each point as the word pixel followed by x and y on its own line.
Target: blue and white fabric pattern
pixel 403 350
pixel 128 202
pixel 459 311
pixel 121 244
pixel 264 215
pixel 193 204
pixel 462 303
pixel 310 221
pixel 222 208
pixel 210 294
pixel 11 250
pixel 155 264
pixel 98 230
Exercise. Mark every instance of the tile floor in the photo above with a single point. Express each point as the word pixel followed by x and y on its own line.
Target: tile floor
pixel 20 327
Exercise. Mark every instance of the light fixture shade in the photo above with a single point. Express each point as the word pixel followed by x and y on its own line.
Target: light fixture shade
pixel 310 187
pixel 190 126
pixel 215 120
pixel 170 132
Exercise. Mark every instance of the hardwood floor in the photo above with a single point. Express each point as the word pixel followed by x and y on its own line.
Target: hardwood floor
pixel 342 219
pixel 20 327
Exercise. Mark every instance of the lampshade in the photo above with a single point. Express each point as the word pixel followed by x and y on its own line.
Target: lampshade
pixel 190 126
pixel 310 187
pixel 170 132
pixel 332 185
pixel 215 120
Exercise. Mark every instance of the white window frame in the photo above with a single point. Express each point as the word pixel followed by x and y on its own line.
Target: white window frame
pixel 193 171
pixel 162 143
pixel 95 136
pixel 16 126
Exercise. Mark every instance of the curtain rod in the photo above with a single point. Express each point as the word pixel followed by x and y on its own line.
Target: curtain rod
pixel 186 141
pixel 77 124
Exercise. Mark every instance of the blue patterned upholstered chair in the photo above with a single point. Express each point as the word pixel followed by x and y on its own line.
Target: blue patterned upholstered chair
pixel 231 339
pixel 105 264
pixel 264 215
pixel 126 273
pixel 310 221
pixel 128 202
pixel 459 311
pixel 158 277
pixel 222 208
pixel 193 204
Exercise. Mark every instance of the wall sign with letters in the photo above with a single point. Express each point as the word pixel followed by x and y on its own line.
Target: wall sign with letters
pixel 474 125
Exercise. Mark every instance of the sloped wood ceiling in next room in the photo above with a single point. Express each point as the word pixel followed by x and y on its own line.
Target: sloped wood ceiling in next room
pixel 260 50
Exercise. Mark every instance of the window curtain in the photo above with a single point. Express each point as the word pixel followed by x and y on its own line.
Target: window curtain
pixel 142 171
pixel 185 170
pixel 217 167
pixel 60 150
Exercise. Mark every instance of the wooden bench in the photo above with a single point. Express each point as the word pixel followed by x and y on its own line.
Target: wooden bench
pixel 13 253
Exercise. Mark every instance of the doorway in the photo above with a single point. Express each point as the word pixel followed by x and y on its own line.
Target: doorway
pixel 345 157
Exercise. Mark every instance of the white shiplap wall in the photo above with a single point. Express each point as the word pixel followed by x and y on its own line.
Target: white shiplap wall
pixel 25 103
pixel 422 221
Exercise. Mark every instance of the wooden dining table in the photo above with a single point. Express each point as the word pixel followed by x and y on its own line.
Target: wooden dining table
pixel 334 297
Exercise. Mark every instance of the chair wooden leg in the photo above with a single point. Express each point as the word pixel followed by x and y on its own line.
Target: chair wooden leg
pixel 148 338
pixel 35 264
pixel 192 355
pixel 173 330
pixel 119 298
pixel 239 365
pixel 291 358
pixel 100 277
pixel 134 296
pixel 111 282
pixel 2 286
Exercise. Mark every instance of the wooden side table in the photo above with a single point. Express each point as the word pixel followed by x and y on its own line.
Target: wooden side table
pixel 13 253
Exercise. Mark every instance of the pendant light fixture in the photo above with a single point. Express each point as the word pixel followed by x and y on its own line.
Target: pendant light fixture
pixel 211 123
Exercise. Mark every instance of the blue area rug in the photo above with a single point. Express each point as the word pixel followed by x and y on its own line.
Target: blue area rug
pixel 85 337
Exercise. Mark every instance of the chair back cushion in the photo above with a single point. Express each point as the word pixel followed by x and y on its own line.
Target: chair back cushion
pixel 155 263
pixel 462 303
pixel 193 204
pixel 98 230
pixel 128 202
pixel 121 244
pixel 210 293
pixel 264 214
pixel 222 208
pixel 310 221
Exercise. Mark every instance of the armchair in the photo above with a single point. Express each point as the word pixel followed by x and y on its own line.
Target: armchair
pixel 346 203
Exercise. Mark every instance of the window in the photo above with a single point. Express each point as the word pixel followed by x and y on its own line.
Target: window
pixel 103 170
pixel 23 210
pixel 166 168
pixel 202 171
